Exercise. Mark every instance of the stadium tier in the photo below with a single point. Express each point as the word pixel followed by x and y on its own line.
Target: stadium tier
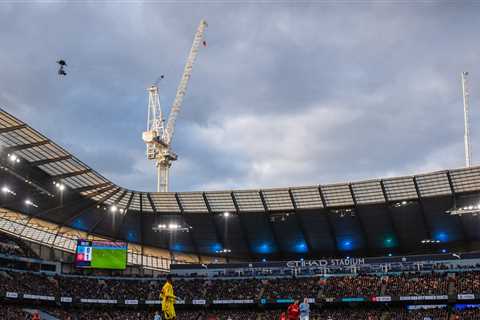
pixel 52 198
pixel 395 248
pixel 416 287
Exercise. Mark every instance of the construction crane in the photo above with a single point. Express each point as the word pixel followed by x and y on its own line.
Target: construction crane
pixel 158 137
pixel 466 110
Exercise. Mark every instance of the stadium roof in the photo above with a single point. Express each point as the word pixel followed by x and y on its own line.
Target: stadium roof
pixel 391 215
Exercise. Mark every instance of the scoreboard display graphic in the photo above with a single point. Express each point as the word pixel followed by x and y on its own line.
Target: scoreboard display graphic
pixel 101 254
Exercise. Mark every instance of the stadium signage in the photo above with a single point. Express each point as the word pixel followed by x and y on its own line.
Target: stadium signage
pixel 38 297
pixel 382 299
pixel 326 262
pixel 66 299
pixel 106 301
pixel 466 297
pixel 199 301
pixel 309 300
pixel 423 306
pixel 12 295
pixel 233 301
pixel 417 298
pixel 131 302
pixel 152 301
pixel 353 299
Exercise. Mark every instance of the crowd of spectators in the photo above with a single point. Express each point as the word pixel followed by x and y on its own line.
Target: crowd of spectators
pixel 20 313
pixel 424 284
pixel 232 289
pixel 408 284
pixel 467 282
pixel 286 288
pixel 466 314
pixel 371 314
pixel 14 247
pixel 360 313
pixel 363 285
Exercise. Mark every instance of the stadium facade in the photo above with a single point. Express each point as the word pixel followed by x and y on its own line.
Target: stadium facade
pixel 52 198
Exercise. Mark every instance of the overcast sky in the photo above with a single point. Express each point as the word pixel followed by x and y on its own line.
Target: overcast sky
pixel 284 94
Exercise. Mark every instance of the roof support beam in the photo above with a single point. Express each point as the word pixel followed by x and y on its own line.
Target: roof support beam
pixel 142 236
pixel 92 228
pixel 454 204
pixel 102 190
pixel 245 237
pixel 360 220
pixel 118 229
pixel 300 223
pixel 219 236
pixel 25 146
pixel 51 160
pixel 422 210
pixel 190 234
pixel 71 174
pixel 390 218
pixel 331 229
pixel 94 186
pixel 81 211
pixel 12 128
pixel 151 203
pixel 269 223
pixel 70 203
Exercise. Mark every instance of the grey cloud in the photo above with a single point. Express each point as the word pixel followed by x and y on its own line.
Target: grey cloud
pixel 391 70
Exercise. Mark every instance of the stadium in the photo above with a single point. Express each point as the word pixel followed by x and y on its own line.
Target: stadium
pixel 76 245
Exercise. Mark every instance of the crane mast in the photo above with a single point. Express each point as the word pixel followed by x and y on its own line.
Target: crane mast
pixel 158 138
pixel 466 110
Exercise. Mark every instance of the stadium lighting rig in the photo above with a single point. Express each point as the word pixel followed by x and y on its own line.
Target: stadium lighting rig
pixel 344 212
pixel 274 217
pixel 158 136
pixel 7 190
pixel 171 227
pixel 471 209
pixel 114 209
pixel 225 214
pixel 13 158
pixel 403 203
pixel 430 241
pixel 29 203
pixel 59 186
pixel 223 251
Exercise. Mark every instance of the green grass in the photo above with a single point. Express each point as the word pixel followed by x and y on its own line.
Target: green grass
pixel 109 259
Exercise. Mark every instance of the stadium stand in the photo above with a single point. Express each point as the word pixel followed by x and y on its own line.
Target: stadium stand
pixel 384 249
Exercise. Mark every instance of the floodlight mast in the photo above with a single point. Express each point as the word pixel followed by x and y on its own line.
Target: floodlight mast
pixel 466 110
pixel 158 138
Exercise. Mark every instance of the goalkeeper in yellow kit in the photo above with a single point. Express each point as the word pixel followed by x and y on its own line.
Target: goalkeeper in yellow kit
pixel 168 299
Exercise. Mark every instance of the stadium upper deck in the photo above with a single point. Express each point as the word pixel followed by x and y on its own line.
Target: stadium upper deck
pixel 366 218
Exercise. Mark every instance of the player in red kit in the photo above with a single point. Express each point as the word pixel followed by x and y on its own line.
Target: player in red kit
pixel 283 316
pixel 293 311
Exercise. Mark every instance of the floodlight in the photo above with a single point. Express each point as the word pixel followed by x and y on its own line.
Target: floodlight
pixel 6 189
pixel 29 202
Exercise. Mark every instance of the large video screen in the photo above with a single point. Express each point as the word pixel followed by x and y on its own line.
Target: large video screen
pixel 101 254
